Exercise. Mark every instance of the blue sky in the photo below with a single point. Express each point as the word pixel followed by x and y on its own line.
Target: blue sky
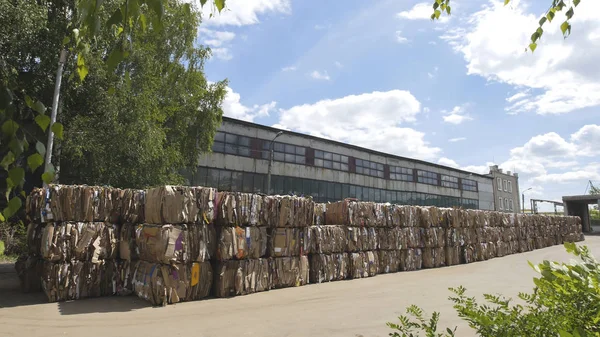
pixel 460 91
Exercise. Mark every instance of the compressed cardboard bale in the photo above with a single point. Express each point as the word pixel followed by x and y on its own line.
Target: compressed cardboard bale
pixel 175 243
pixel 127 247
pixel 29 270
pixel 34 238
pixel 295 211
pixel 452 255
pixel 389 261
pixel 94 241
pixel 501 249
pixel 492 250
pixel 434 257
pixel 162 284
pixel 126 270
pixel 206 202
pixel 509 234
pixel 239 208
pixel 328 239
pixel 433 237
pixel 269 214
pixel 132 206
pixel 35 205
pixel 513 247
pixel 289 271
pixel 363 264
pixel 86 279
pixel 468 254
pixel 455 218
pixel 413 237
pixel 319 215
pixel 429 217
pixel 380 211
pixel 241 243
pixel 328 267
pixel 394 215
pixel 56 280
pixel 109 207
pixel 171 205
pixel 242 277
pixel 390 238
pixel 362 239
pixel 409 216
pixel 110 280
pixel 56 242
pixel 350 212
pixel 411 259
pixel 288 242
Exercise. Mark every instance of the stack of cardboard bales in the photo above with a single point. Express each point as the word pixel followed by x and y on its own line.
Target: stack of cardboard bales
pixel 329 260
pixel 433 236
pixel 289 240
pixel 360 221
pixel 174 246
pixel 241 267
pixel 75 230
pixel 411 255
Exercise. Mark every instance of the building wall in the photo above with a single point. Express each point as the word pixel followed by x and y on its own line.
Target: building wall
pixel 505 186
pixel 255 164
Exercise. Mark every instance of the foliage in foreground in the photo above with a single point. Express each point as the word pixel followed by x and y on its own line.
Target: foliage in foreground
pixel 565 302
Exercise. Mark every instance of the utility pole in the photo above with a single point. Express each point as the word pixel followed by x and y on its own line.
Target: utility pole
pixel 271 161
pixel 55 100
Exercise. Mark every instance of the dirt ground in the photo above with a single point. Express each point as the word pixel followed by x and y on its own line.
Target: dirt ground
pixel 347 308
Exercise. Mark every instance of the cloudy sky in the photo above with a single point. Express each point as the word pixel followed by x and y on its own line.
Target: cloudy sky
pixel 461 91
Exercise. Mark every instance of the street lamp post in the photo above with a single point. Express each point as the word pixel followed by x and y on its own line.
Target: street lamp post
pixel 271 161
pixel 523 198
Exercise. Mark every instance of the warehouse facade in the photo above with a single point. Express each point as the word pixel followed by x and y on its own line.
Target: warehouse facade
pixel 329 170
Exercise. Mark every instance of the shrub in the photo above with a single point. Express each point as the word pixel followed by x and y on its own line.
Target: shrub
pixel 565 302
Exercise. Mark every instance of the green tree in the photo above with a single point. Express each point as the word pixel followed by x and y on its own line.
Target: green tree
pixel 31 37
pixel 441 7
pixel 565 302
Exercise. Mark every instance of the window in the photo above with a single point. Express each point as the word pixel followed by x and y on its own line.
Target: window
pixel 231 144
pixel 469 185
pixel 427 177
pixel 448 181
pixel 504 185
pixel 401 173
pixel 510 187
pixel 499 183
pixel 510 204
pixel 500 204
pixel 331 160
pixel 285 152
pixel 506 204
pixel 369 168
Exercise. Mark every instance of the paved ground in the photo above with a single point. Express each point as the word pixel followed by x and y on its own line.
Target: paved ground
pixel 348 308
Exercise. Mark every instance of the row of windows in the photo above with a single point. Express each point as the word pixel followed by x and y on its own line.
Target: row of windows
pixel 241 145
pixel 505 204
pixel 321 191
pixel 331 160
pixel 504 184
pixel 369 168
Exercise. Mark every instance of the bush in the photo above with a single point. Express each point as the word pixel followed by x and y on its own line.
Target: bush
pixel 14 237
pixel 565 302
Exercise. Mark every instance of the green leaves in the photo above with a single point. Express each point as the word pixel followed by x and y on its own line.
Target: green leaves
pixel 542 21
pixel 115 57
pixel 569 13
pixel 8 159
pixel 34 161
pixel 565 28
pixel 437 14
pixel 506 2
pixel 57 128
pixel 43 121
pixel 82 68
pixel 66 40
pixel 17 175
pixel 9 128
pixel 550 14
pixel 576 2
pixel 48 177
pixel 532 46
pixel 40 148
pixel 13 207
pixel 220 4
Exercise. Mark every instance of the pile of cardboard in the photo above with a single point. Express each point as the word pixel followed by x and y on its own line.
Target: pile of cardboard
pixel 177 243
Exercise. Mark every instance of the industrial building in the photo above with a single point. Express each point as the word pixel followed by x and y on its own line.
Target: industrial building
pixel 329 170
pixel 506 190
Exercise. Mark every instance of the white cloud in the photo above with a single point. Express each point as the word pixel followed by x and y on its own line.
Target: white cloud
pixel 218 41
pixel 245 12
pixel 421 11
pixel 588 138
pixel 432 74
pixel 338 64
pixel 372 120
pixel 479 169
pixel 321 27
pixel 590 173
pixel 400 38
pixel 320 75
pixel 233 107
pixel 563 72
pixel 448 162
pixel 457 139
pixel 456 116
pixel 289 68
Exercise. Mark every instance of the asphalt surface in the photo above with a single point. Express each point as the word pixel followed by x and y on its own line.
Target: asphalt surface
pixel 348 308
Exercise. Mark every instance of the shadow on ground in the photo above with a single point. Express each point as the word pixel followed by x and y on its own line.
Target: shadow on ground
pixel 12 296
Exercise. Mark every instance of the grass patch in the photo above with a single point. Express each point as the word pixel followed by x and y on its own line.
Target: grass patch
pixel 2 248
pixel 8 258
